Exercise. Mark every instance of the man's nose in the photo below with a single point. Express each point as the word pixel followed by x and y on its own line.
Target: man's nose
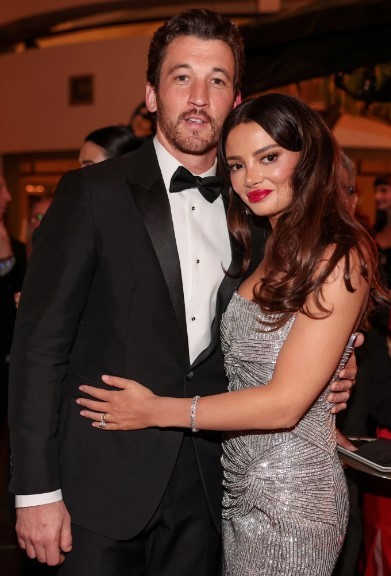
pixel 199 95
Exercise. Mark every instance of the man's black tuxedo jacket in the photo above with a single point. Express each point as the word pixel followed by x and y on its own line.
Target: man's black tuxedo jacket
pixel 103 295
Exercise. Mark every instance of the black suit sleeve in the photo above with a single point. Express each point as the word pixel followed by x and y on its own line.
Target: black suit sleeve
pixel 53 296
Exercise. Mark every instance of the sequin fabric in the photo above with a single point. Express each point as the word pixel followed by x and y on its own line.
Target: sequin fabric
pixel 285 504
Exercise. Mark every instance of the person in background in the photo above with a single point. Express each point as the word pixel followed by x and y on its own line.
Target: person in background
pixel 348 178
pixel 377 492
pixel 143 122
pixel 127 276
pixel 349 175
pixel 12 269
pixel 355 420
pixel 382 194
pixel 37 210
pixel 108 142
pixel 369 408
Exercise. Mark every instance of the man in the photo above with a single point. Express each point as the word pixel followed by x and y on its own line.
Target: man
pixel 12 267
pixel 136 288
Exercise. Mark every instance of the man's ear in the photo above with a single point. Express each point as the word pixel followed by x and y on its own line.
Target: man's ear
pixel 238 99
pixel 150 98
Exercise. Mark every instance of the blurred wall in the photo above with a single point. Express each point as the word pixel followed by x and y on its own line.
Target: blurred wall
pixel 35 113
pixel 23 8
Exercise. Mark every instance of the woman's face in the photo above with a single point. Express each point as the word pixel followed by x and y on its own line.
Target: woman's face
pixel 260 170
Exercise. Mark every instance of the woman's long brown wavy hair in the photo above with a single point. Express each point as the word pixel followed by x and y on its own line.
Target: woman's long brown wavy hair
pixel 316 219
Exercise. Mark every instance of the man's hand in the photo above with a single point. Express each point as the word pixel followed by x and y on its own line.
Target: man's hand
pixel 345 442
pixel 341 389
pixel 44 531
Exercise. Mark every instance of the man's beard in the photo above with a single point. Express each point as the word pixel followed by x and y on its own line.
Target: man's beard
pixel 184 141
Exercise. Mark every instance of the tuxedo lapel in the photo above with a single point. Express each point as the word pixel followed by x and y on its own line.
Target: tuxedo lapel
pixel 150 196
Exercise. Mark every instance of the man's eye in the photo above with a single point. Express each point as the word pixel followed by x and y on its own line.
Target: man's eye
pixel 218 81
pixel 181 78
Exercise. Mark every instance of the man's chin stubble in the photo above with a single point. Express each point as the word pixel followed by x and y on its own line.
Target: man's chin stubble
pixel 193 144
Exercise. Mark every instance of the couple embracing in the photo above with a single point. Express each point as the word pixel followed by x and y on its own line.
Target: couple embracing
pixel 118 386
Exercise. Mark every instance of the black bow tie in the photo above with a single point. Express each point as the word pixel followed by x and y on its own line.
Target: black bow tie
pixel 182 179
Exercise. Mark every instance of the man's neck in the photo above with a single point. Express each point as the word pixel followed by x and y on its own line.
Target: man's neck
pixel 197 164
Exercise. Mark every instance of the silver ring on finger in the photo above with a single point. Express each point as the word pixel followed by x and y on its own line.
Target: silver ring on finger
pixel 102 421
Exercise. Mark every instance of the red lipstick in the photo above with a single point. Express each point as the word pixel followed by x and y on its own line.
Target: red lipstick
pixel 258 195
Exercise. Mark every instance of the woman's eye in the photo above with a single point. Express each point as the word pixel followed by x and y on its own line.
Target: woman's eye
pixel 235 167
pixel 270 158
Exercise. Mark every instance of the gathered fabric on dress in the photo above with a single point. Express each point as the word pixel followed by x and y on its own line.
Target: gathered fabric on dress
pixel 285 504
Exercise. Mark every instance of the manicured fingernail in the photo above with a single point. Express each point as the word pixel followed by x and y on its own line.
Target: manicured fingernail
pixel 105 378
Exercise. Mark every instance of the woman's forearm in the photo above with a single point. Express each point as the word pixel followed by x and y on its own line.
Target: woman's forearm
pixel 256 408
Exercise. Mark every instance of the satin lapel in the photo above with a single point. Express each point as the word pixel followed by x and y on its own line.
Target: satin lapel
pixel 152 202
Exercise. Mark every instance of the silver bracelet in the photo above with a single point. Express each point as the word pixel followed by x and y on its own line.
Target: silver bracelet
pixel 193 408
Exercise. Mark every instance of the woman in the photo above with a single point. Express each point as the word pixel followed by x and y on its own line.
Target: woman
pixel 285 334
pixel 108 142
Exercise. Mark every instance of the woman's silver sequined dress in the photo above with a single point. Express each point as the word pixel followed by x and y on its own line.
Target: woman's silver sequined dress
pixel 285 504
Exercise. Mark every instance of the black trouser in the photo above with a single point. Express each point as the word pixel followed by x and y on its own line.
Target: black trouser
pixel 180 540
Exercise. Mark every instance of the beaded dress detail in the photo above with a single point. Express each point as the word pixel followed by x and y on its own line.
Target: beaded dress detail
pixel 285 504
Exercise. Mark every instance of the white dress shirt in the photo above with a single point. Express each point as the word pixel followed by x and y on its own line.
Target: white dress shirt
pixel 204 251
pixel 204 254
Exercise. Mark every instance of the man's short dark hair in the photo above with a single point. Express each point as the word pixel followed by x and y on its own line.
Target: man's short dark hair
pixel 203 24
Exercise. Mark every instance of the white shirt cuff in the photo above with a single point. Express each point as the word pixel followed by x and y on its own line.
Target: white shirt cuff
pixel 25 500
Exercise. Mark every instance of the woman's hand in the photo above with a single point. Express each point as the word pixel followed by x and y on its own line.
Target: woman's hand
pixel 129 408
